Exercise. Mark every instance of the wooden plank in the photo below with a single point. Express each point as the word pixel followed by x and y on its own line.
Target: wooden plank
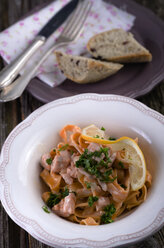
pixel 12 113
pixel 157 6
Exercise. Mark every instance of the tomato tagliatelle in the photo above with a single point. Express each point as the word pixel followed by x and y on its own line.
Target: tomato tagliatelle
pixel 87 182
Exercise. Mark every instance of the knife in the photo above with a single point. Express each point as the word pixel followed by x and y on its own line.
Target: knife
pixel 11 71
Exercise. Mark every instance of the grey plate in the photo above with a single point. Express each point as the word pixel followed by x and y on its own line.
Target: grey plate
pixel 133 80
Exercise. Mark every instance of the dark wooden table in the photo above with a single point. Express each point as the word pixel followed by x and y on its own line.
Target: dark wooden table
pixel 12 113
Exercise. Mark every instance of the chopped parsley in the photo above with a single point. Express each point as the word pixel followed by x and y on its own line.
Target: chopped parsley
pixel 88 161
pixel 54 150
pixel 106 176
pixel 130 157
pixel 102 128
pixel 109 210
pixel 45 209
pixel 74 192
pixel 64 193
pixel 123 186
pixel 97 136
pixel 91 200
pixel 49 161
pixel 120 163
pixel 54 199
pixel 88 185
pixel 111 138
pixel 63 148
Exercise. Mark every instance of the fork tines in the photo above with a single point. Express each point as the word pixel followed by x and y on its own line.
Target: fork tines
pixel 77 19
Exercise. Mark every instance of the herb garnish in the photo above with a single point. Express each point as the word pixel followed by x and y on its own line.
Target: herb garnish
pixel 91 165
pixel 88 185
pixel 49 161
pixel 91 200
pixel 97 136
pixel 63 147
pixel 111 138
pixel 53 200
pixel 106 176
pixel 107 216
pixel 64 193
pixel 121 164
pixel 45 209
pixel 123 186
pixel 74 192
pixel 54 150
pixel 56 198
pixel 72 152
pixel 102 128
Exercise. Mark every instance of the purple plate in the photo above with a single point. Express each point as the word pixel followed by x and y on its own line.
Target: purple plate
pixel 133 80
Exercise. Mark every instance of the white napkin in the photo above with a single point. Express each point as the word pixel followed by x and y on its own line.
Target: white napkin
pixel 103 16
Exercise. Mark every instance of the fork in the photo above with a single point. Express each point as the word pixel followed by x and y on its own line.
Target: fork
pixel 70 33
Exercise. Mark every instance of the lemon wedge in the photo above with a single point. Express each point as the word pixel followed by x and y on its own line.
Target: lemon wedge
pixel 132 153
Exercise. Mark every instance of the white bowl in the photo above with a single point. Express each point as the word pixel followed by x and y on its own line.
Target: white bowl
pixel 21 188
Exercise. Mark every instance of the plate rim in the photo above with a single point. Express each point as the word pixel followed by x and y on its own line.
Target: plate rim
pixel 31 225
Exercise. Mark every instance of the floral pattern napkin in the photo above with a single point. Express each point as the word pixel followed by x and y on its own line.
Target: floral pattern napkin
pixel 103 16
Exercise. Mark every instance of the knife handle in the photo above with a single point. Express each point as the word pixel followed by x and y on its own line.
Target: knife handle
pixel 11 71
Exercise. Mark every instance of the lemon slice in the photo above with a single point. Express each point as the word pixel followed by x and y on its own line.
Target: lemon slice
pixel 132 154
pixel 91 132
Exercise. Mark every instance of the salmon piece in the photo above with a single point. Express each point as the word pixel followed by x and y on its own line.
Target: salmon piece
pixel 96 190
pixel 103 185
pixel 75 158
pixel 44 161
pixel 93 147
pixel 72 171
pixel 102 202
pixel 113 157
pixel 67 178
pixel 83 172
pixel 66 132
pixel 66 206
pixel 61 161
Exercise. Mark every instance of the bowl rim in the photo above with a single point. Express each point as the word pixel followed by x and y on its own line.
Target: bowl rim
pixel 32 226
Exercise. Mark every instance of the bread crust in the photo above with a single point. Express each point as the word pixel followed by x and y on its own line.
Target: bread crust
pixel 143 56
pixel 95 71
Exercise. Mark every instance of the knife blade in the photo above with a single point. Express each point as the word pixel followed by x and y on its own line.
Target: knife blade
pixel 57 20
pixel 11 71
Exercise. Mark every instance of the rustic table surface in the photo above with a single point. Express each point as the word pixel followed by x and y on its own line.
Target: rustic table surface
pixel 12 113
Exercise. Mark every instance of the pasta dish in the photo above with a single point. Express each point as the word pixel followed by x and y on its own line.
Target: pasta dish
pixel 89 182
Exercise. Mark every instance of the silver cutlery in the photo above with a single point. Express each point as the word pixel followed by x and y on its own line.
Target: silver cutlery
pixel 70 33
pixel 11 71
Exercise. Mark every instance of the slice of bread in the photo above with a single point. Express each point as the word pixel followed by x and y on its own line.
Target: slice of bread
pixel 117 45
pixel 85 70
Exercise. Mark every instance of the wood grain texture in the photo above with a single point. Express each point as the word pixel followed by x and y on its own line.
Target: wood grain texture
pixel 12 113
